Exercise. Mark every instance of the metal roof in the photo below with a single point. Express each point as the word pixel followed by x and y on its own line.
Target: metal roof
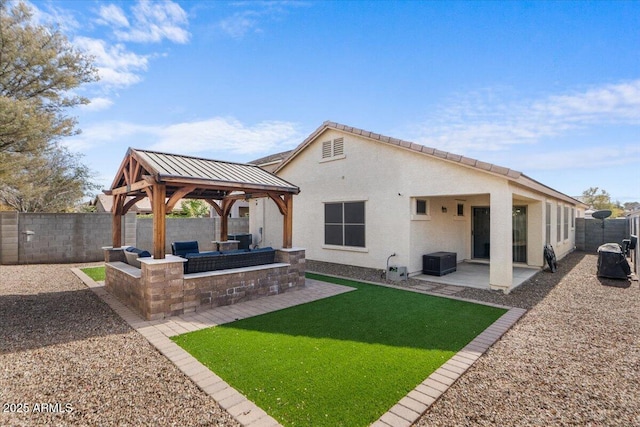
pixel 180 168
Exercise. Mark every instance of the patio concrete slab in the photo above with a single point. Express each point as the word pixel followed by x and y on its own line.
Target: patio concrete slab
pixel 407 411
pixel 476 275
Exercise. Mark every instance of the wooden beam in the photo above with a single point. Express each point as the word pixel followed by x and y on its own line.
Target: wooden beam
pixel 149 191
pixel 253 195
pixel 140 185
pixel 177 195
pixel 130 203
pixel 228 186
pixel 215 206
pixel 116 221
pixel 159 220
pixel 282 205
pixel 287 234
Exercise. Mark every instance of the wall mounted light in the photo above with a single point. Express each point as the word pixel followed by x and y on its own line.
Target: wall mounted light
pixel 29 235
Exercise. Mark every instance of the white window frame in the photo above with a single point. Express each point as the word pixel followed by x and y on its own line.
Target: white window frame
pixel 415 216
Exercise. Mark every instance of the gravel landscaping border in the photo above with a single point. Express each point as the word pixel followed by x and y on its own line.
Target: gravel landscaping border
pixel 67 359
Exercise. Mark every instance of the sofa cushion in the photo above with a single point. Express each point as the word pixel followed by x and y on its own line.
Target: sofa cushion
pixel 266 249
pixel 183 248
pixel 235 251
pixel 201 254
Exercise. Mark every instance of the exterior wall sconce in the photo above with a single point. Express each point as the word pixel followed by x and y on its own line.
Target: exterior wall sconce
pixel 29 235
pixel 444 209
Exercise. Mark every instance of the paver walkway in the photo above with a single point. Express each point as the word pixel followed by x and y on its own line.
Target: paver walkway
pixel 404 413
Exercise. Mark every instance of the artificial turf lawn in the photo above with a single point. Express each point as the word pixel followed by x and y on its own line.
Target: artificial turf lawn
pixel 96 273
pixel 340 361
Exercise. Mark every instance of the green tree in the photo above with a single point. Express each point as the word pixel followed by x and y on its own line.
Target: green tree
pixel 49 182
pixel 39 71
pixel 195 208
pixel 601 200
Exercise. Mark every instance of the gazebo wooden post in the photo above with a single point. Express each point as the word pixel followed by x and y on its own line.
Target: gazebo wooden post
pixel 159 220
pixel 287 235
pixel 116 221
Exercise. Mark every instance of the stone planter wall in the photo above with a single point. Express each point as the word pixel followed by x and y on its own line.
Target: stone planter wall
pixel 160 289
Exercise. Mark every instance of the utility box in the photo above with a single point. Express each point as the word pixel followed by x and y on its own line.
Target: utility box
pixel 396 274
pixel 439 263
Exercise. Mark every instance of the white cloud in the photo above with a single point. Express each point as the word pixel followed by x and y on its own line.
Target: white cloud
pixel 116 65
pixel 98 104
pixel 218 137
pixel 253 15
pixel 587 157
pixel 489 120
pixel 112 15
pixel 152 22
pixel 52 15
pixel 226 135
pixel 239 24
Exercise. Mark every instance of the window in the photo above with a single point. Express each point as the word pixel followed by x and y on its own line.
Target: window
pixel 548 224
pixel 573 218
pixel 344 224
pixel 566 223
pixel 333 149
pixel 460 209
pixel 421 207
pixel 558 223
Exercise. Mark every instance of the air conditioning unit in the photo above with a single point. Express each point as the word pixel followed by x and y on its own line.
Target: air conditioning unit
pixel 396 273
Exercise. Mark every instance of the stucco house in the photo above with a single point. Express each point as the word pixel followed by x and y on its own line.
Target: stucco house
pixel 366 196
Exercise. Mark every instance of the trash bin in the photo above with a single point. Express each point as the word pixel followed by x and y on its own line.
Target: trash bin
pixel 612 262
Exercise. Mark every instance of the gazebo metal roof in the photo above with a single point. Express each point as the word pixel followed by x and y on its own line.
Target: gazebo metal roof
pixel 166 178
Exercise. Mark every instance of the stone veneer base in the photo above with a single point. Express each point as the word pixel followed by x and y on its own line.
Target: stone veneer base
pixel 160 288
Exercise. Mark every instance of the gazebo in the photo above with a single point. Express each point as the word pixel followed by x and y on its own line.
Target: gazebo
pixel 165 179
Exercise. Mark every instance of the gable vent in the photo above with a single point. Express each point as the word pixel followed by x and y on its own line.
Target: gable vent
pixel 338 146
pixel 326 149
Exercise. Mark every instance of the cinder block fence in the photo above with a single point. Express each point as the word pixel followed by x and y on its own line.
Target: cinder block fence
pixel 45 238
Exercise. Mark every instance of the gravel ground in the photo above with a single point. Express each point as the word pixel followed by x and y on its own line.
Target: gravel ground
pixel 573 359
pixel 64 351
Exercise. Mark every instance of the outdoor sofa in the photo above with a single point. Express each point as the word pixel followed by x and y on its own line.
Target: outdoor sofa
pixel 198 262
pixel 132 254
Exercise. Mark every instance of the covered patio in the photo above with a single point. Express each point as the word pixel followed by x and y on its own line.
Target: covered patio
pixel 160 287
pixel 476 275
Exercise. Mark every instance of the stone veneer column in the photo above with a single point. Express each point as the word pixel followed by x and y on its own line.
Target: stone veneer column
pixel 162 284
pixel 229 245
pixel 112 254
pixel 296 258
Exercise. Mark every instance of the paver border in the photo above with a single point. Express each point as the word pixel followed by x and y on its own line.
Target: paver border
pixel 404 413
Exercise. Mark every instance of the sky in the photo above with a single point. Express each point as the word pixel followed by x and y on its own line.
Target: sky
pixel 548 88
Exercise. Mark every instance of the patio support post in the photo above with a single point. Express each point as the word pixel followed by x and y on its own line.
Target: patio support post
pixel 159 220
pixel 287 237
pixel 501 235
pixel 116 220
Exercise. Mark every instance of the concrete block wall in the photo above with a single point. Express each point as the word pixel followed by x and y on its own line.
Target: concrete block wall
pixel 80 237
pixel 8 237
pixel 590 234
pixel 62 237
